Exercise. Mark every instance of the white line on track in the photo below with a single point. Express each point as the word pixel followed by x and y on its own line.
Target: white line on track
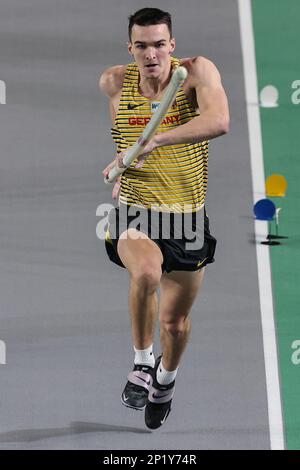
pixel 261 228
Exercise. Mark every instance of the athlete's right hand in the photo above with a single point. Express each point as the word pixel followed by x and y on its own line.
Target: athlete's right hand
pixel 118 161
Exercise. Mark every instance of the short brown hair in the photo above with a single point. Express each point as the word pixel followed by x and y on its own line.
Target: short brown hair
pixel 149 16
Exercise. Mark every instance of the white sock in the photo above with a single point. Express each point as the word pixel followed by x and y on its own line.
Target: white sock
pixel 163 376
pixel 144 356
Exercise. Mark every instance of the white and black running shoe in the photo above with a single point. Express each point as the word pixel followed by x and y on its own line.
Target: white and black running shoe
pixel 159 401
pixel 135 393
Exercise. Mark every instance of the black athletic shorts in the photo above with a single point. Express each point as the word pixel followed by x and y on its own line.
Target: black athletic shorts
pixel 176 257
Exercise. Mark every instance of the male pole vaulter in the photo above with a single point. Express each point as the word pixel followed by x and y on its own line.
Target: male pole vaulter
pixel 171 172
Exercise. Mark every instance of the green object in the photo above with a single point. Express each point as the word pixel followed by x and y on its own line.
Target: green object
pixel 277 37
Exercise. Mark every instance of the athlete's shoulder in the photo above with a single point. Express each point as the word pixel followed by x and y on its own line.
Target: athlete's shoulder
pixel 200 69
pixel 111 80
pixel 197 63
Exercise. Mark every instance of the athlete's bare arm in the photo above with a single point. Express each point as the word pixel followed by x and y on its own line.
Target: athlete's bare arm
pixel 204 88
pixel 111 82
pixel 204 82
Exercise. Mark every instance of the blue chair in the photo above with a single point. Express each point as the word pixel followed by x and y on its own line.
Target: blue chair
pixel 265 209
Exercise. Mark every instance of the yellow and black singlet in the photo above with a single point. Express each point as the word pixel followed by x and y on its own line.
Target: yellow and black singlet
pixel 173 176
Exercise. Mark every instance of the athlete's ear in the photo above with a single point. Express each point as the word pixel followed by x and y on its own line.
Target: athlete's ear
pixel 129 46
pixel 173 45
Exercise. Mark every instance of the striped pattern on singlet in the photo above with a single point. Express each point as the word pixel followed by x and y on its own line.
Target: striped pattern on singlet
pixel 172 176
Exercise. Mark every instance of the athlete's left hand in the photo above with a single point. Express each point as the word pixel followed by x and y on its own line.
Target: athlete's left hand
pixel 145 153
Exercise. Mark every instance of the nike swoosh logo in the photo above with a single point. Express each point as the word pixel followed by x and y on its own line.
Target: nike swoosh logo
pixel 133 106
pixel 147 382
pixel 201 262
pixel 165 417
pixel 125 398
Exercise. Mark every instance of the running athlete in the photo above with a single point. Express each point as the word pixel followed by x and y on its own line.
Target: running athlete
pixel 169 178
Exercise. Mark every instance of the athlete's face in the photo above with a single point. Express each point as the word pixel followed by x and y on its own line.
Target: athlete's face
pixel 151 47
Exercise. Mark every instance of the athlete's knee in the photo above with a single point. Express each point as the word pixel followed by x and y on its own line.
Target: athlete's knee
pixel 176 327
pixel 147 277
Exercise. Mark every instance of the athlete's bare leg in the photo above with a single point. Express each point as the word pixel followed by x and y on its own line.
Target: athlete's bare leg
pixel 178 290
pixel 143 259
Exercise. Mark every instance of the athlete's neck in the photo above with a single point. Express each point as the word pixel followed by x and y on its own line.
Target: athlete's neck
pixel 153 87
